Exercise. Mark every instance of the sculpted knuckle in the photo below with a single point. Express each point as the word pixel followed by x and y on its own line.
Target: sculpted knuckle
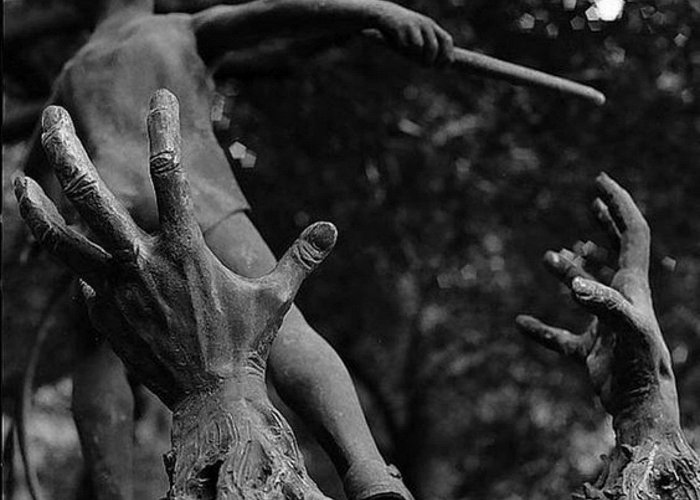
pixel 57 139
pixel 275 294
pixel 181 245
pixel 129 257
pixel 164 162
pixel 51 144
pixel 306 255
pixel 51 136
pixel 80 185
pixel 48 237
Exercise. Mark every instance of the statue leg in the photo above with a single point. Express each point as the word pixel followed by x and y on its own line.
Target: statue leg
pixel 311 377
pixel 103 407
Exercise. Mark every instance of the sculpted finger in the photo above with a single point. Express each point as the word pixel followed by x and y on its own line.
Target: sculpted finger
pixel 415 38
pixel 431 45
pixel 175 208
pixel 82 185
pixel 48 227
pixel 306 253
pixel 634 231
pixel 565 266
pixel 602 214
pixel 591 253
pixel 446 55
pixel 606 303
pixel 556 339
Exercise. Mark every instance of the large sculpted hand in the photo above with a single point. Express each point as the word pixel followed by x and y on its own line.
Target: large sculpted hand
pixel 194 332
pixel 415 35
pixel 623 348
pixel 627 360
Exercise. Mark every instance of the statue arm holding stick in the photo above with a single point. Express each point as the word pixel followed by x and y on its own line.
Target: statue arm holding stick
pixel 227 27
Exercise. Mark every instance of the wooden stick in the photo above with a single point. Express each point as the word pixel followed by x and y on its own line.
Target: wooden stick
pixel 480 64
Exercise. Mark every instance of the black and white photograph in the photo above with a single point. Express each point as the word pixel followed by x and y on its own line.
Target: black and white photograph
pixel 351 250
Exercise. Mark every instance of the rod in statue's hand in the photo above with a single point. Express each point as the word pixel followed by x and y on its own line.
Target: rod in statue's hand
pixel 480 64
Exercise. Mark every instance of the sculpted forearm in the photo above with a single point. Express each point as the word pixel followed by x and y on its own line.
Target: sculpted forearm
pixel 234 26
pixel 224 28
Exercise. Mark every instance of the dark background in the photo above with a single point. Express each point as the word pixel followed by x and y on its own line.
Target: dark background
pixel 447 190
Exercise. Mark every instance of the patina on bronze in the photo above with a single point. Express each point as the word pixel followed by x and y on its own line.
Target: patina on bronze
pixel 106 87
pixel 27 23
pixel 194 332
pixel 627 360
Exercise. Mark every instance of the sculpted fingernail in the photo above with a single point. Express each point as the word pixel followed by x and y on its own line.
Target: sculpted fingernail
pixel 53 117
pixel 581 286
pixel 322 236
pixel 551 257
pixel 162 98
pixel 602 179
pixel 524 321
pixel 314 244
pixel 163 130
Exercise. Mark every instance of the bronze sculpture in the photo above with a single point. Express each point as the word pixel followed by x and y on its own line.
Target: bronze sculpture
pixel 85 78
pixel 152 288
pixel 195 333
pixel 132 53
pixel 627 360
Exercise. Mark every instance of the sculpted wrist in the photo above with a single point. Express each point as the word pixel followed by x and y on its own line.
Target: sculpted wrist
pixel 652 414
pixel 233 439
pixel 380 12
pixel 228 392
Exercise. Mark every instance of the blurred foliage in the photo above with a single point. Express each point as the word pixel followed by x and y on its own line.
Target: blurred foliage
pixel 447 190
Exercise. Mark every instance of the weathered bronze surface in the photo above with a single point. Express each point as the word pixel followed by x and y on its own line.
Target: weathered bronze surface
pixel 195 333
pixel 106 87
pixel 627 359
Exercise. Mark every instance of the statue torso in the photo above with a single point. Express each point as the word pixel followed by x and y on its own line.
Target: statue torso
pixel 106 88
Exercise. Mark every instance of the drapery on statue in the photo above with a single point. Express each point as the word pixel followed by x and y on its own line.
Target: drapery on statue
pixel 627 360
pixel 194 332
pixel 105 88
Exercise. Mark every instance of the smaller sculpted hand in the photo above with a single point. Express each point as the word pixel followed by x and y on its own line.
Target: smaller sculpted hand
pixel 623 348
pixel 415 35
pixel 194 332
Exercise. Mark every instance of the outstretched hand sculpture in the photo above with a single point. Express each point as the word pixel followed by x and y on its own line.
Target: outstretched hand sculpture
pixel 627 360
pixel 132 53
pixel 194 332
